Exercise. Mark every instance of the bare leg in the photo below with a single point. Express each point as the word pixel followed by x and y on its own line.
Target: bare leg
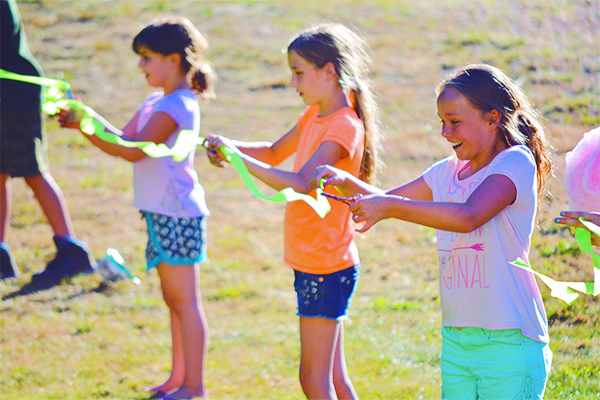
pixel 53 203
pixel 178 369
pixel 180 285
pixel 341 380
pixel 318 338
pixel 5 202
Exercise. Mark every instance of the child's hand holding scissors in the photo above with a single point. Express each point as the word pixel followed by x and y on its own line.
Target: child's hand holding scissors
pixel 212 143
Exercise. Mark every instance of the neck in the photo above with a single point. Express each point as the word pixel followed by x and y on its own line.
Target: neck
pixel 484 159
pixel 176 84
pixel 334 103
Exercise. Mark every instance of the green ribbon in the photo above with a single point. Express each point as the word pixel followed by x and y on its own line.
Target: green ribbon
pixel 54 88
pixel 36 80
pixel 91 126
pixel 186 140
pixel 566 291
pixel 319 204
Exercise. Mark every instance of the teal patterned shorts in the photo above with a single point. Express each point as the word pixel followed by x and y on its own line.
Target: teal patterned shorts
pixel 175 240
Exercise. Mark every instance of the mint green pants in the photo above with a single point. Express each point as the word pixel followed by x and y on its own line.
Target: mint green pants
pixel 493 365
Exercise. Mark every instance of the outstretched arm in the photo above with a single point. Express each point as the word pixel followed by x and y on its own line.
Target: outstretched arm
pixel 350 185
pixel 157 130
pixel 259 158
pixel 494 194
pixel 328 152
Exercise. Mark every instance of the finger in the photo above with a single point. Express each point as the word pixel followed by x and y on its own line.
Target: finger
pixel 365 227
pixel 358 218
pixel 216 163
pixel 575 214
pixel 569 222
pixel 356 207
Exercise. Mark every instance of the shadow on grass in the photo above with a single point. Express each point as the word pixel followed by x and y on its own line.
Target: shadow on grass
pixel 40 285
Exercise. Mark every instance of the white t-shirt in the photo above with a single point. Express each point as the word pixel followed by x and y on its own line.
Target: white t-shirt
pixel 163 185
pixel 478 286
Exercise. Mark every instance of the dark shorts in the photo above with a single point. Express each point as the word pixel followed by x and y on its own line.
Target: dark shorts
pixel 326 296
pixel 23 150
pixel 175 240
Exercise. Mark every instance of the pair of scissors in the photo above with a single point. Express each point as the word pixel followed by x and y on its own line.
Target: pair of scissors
pixel 348 200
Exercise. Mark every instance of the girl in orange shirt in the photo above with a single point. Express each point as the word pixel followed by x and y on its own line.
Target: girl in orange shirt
pixel 330 71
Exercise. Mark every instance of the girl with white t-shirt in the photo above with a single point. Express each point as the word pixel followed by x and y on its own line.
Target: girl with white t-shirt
pixel 166 191
pixel 483 203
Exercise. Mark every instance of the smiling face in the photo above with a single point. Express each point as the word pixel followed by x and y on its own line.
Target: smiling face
pixel 474 135
pixel 307 79
pixel 155 66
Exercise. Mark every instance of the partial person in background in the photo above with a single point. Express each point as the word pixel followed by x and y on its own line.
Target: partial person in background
pixel 23 155
pixel 582 183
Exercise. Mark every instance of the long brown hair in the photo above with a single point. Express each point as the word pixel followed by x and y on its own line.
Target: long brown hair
pixel 349 53
pixel 488 88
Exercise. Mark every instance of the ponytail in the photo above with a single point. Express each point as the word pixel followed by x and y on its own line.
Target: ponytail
pixel 362 100
pixel 525 121
pixel 202 77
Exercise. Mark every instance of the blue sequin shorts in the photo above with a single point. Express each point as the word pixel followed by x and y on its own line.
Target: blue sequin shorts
pixel 327 295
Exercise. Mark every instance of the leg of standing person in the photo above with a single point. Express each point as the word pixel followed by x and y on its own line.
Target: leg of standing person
pixel 318 338
pixel 180 285
pixel 341 380
pixel 5 205
pixel 8 267
pixel 73 256
pixel 51 199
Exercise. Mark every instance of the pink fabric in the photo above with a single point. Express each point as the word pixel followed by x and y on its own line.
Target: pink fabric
pixel 582 173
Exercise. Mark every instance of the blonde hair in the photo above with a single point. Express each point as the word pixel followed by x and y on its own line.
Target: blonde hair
pixel 488 88
pixel 178 35
pixel 349 53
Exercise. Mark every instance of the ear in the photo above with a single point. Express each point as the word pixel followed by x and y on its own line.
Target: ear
pixel 330 70
pixel 494 118
pixel 174 59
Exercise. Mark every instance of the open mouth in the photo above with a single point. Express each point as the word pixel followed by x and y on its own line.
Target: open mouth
pixel 456 145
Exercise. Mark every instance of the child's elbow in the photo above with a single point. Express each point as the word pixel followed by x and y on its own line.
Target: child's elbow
pixel 306 188
pixel 470 222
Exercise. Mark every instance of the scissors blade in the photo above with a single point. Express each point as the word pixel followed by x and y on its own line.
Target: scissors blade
pixel 346 200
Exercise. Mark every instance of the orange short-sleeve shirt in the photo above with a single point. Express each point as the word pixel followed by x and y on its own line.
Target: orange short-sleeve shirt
pixel 324 245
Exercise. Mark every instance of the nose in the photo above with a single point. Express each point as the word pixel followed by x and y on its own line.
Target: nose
pixel 445 130
pixel 293 82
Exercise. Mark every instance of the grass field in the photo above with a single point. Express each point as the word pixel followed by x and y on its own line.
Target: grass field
pixel 86 339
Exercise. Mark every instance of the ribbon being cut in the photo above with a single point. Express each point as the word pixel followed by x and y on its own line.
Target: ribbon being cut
pixel 54 101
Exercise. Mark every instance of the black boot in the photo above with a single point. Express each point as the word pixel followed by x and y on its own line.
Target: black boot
pixel 73 257
pixel 8 268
